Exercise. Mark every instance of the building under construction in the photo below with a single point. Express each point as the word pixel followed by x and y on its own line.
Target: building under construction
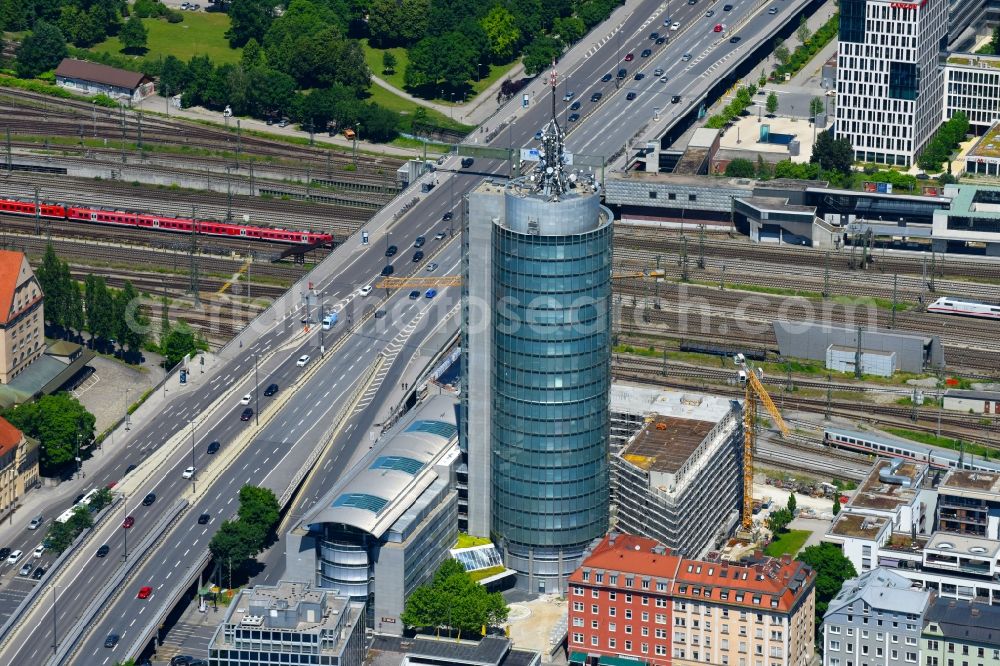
pixel 679 480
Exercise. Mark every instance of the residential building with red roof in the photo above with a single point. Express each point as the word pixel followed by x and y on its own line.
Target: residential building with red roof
pixel 634 598
pixel 22 318
pixel 18 466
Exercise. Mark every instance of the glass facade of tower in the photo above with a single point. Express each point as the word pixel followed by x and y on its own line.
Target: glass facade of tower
pixel 550 381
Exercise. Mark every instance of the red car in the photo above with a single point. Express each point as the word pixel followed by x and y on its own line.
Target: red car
pixel 630 57
pixel 129 522
pixel 144 592
pixel 718 28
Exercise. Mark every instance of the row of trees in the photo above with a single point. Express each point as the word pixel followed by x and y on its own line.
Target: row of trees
pixel 238 541
pixel 60 423
pixel 61 535
pixel 109 315
pixel 790 62
pixel 87 22
pixel 452 599
pixel 733 110
pixel 944 142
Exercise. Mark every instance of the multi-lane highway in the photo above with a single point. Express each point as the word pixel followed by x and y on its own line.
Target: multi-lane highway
pixel 281 447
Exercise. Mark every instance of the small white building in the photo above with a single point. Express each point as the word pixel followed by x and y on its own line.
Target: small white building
pixel 873 362
pixel 91 78
pixel 976 402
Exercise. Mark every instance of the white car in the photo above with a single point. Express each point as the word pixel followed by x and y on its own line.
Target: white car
pixel 431 267
pixel 364 291
pixel 39 551
pixel 35 523
pixel 302 360
pixel 188 473
pixel 14 557
pixel 675 26
pixel 245 400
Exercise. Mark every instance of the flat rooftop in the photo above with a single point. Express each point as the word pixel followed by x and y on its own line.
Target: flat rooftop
pixel 779 204
pixel 857 525
pixel 975 60
pixel 965 480
pixel 644 401
pixel 957 544
pixel 877 494
pixel 288 595
pixel 989 145
pixel 665 443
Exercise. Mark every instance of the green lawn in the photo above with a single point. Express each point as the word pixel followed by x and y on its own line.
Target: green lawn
pixel 468 541
pixel 394 102
pixel 201 33
pixel 789 542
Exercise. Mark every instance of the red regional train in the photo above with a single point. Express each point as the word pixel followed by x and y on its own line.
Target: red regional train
pixel 157 223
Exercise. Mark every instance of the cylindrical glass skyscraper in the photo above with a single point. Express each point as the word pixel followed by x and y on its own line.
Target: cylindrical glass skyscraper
pixel 551 269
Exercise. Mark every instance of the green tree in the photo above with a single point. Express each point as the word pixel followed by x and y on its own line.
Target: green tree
pixel 133 324
pixel 764 170
pixel 792 503
pixel 40 51
pixel 778 521
pixel 772 103
pixel 833 154
pixel 133 35
pixel 453 599
pixel 59 537
pixel 180 341
pixel 174 75
pixel 836 505
pixel 235 543
pixel 762 80
pixel 397 21
pixel 63 304
pixel 802 32
pixel 740 168
pixel 995 41
pixel 380 124
pixel 259 507
pixel 782 54
pixel 816 106
pixel 101 499
pixel 249 19
pixel 568 30
pixel 832 569
pixel 540 53
pixel 501 32
pixel 388 62
pixel 59 422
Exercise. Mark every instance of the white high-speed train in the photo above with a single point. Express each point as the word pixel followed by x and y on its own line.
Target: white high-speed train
pixel 965 308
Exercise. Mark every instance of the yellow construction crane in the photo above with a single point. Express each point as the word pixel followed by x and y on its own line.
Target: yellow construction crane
pixel 750 378
pixel 456 280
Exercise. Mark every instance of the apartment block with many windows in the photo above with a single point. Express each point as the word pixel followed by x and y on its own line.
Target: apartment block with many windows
pixel 890 77
pixel 875 620
pixel 635 598
pixel 22 318
pixel 960 633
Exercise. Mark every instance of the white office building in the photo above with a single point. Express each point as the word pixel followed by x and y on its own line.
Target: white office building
pixel 890 87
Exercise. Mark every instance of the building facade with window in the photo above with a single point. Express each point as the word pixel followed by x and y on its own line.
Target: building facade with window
pixel 875 620
pixel 536 365
pixel 634 598
pixel 890 77
pixel 289 623
pixel 22 315
pixel 960 633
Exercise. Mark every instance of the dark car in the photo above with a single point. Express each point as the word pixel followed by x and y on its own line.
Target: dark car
pixel 646 53
pixel 111 640
pixel 467 162
pixel 420 241
pixel 4 553
pixel 622 73
pixel 247 414
pixel 418 255
pixel 148 499
pixel 735 39
pixel 639 76
pixel 128 522
pixel 575 106
pixel 675 99
pixel 573 117
pixel 391 251
pixel 103 551
pixel 388 270
pixel 692 2
pixel 129 468
pixel 654 35
pixel 271 390
pixel 727 8
pixel 213 447
pixel 204 518
pixel 447 216
pixel 38 573
pixel 596 97
pixel 78 498
pixel 181 660
pixel 379 314
pixel 414 295
pixel 631 96
pixel 607 77
pixel 629 57
pixel 661 40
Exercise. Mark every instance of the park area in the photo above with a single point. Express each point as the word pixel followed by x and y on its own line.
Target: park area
pixel 200 33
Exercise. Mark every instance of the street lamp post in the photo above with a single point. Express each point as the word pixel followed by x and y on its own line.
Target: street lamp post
pixel 94 107
pixel 127 416
pixel 479 66
pixel 193 425
pixel 125 532
pixel 256 393
pixel 55 634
